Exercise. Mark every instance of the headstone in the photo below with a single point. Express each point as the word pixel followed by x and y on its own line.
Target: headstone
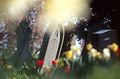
pixel 102 38
pixel 51 45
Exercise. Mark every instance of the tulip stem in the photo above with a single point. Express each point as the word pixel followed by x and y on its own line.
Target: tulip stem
pixel 73 65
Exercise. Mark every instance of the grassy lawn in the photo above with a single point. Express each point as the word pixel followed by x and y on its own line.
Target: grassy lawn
pixel 99 72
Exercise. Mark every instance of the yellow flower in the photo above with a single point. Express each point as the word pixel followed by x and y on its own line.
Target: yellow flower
pixel 99 55
pixel 59 63
pixel 113 47
pixel 89 46
pixel 69 54
pixel 75 49
pixel 14 78
pixel 9 66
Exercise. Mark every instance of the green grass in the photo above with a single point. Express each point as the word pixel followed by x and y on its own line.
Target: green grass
pixel 106 70
pixel 100 72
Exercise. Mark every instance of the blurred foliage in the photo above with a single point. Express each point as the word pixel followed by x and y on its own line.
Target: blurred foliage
pixel 73 68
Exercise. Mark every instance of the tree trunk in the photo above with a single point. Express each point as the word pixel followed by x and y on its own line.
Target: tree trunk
pixel 23 37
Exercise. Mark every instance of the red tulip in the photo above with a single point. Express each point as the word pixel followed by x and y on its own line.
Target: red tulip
pixel 40 63
pixel 1 62
pixel 118 52
pixel 48 71
pixel 67 69
pixel 53 62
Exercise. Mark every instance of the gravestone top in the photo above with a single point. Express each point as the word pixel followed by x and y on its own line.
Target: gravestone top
pixel 103 31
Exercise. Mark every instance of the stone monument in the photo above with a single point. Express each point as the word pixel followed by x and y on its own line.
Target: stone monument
pixel 52 44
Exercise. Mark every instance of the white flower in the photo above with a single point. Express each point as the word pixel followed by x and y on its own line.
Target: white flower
pixel 106 53
pixel 93 52
pixel 76 52
pixel 74 57
pixel 75 49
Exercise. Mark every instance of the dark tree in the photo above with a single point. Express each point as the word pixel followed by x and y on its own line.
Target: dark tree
pixel 105 10
pixel 23 37
pixel 105 16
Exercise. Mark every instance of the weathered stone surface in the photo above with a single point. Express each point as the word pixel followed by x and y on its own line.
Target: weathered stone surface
pixel 51 47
